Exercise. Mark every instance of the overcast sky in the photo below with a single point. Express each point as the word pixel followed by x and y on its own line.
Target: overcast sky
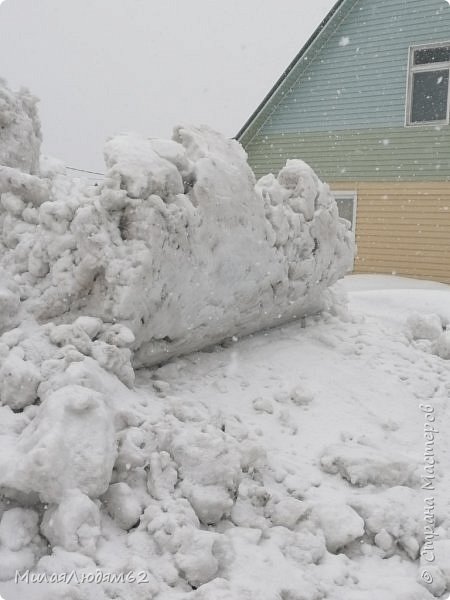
pixel 105 66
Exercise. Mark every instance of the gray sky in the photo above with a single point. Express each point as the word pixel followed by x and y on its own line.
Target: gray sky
pixel 106 66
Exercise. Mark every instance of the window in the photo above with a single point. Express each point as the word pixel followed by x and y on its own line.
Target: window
pixel 428 85
pixel 346 203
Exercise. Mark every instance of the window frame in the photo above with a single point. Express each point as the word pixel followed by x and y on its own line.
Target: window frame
pixel 412 69
pixel 348 194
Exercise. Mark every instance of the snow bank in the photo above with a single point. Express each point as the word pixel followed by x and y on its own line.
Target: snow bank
pixel 177 250
pixel 178 244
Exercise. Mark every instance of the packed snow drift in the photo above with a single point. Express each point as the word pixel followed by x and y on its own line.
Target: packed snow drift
pixel 178 244
pixel 177 249
pixel 275 467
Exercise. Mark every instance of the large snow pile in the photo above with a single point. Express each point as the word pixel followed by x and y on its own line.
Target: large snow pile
pixel 178 249
pixel 284 466
pixel 178 244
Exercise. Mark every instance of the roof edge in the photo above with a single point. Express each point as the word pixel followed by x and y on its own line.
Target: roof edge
pixel 289 69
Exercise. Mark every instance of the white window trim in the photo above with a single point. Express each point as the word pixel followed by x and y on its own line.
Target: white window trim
pixel 409 83
pixel 342 194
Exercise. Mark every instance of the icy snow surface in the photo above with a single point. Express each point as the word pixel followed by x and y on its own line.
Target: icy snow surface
pixel 318 496
pixel 283 465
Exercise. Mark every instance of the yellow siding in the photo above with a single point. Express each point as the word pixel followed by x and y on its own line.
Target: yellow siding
pixel 402 228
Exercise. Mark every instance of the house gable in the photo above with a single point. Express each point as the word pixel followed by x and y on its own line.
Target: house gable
pixel 342 107
pixel 294 70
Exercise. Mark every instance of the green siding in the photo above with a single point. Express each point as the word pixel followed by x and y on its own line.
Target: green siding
pixel 339 95
pixel 400 153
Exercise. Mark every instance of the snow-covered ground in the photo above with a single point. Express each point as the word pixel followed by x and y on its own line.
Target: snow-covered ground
pixel 157 440
pixel 286 465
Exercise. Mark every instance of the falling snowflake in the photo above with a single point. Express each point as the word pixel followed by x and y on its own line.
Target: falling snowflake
pixel 345 40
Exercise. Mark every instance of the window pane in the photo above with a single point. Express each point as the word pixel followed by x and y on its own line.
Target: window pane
pixel 345 208
pixel 429 96
pixel 432 55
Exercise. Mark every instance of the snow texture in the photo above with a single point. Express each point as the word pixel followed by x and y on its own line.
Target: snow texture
pixel 177 245
pixel 424 327
pixel 20 131
pixel 206 477
pixel 441 347
pixel 176 250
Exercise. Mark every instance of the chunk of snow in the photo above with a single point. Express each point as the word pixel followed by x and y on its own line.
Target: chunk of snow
pixel 20 130
pixel 424 327
pixel 339 523
pixel 196 557
pixel 122 504
pixel 63 561
pixel 140 170
pixel 441 346
pixel 69 445
pixel 162 476
pixel 287 512
pixel 263 405
pixel 391 518
pixel 19 381
pixel 362 465
pixel 301 395
pixel 210 502
pixel 18 528
pixel 207 458
pixel 74 524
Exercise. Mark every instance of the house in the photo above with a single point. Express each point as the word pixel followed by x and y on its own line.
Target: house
pixel 366 104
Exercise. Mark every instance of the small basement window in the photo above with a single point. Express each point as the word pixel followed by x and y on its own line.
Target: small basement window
pixel 346 203
pixel 428 94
